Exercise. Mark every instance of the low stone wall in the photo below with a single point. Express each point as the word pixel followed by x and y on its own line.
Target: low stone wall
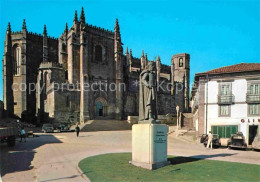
pixel 168 119
pixel 132 119
pixel 165 119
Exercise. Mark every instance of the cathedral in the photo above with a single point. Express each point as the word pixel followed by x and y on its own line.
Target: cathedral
pixel 82 75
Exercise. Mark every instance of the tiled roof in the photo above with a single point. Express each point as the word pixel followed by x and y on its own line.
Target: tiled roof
pixel 242 67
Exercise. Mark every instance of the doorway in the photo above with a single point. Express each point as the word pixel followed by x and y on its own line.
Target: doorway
pixel 99 109
pixel 252 133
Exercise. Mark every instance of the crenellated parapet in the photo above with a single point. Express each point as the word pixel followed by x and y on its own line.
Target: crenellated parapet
pixel 36 35
pixel 17 32
pixel 52 38
pixel 99 29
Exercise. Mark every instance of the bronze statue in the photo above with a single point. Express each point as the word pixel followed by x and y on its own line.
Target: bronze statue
pixel 148 95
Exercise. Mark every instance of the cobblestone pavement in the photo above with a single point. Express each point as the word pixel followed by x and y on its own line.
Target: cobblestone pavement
pixel 55 157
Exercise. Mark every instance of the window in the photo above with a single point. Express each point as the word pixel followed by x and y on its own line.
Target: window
pixel 224 110
pixel 18 57
pixel 254 89
pixel 225 90
pixel 225 95
pixel 64 47
pixel 181 62
pixel 98 53
pixel 17 60
pixel 46 81
pixel 224 131
pixel 253 109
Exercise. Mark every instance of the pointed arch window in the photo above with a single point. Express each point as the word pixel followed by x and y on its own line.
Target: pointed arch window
pixel 17 60
pixel 64 47
pixel 45 84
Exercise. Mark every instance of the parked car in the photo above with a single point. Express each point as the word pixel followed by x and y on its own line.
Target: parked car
pixel 203 138
pixel 8 132
pixel 63 128
pixel 256 143
pixel 8 135
pixel 47 128
pixel 237 141
pixel 215 141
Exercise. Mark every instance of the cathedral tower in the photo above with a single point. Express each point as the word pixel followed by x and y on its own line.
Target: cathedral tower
pixel 180 79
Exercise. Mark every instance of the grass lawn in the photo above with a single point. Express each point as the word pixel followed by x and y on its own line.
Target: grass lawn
pixel 115 167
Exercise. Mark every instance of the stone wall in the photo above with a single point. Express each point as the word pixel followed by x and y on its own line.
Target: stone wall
pixel 63 105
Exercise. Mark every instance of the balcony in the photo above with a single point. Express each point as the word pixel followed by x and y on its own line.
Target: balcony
pixel 226 99
pixel 253 98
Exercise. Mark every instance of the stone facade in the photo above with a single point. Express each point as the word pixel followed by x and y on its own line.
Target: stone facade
pixel 84 55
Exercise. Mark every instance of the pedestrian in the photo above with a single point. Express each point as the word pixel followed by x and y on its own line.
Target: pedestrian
pixel 77 130
pixel 23 134
pixel 210 137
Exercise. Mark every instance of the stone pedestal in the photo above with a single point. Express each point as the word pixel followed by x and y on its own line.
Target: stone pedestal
pixel 149 145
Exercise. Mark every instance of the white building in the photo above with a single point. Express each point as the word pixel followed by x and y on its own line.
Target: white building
pixel 227 100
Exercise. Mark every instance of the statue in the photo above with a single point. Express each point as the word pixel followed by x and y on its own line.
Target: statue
pixel 178 113
pixel 149 136
pixel 148 96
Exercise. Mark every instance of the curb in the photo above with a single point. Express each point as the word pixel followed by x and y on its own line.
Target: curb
pixel 82 174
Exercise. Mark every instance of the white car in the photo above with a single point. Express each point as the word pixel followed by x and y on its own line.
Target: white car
pixel 47 128
pixel 63 128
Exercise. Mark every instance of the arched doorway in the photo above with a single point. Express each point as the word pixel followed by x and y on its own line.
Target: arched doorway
pixel 99 109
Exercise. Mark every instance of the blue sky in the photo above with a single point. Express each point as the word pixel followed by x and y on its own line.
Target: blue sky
pixel 215 33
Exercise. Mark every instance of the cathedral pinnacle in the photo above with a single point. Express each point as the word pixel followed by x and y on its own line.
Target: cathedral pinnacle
pixel 76 16
pixel 117 32
pixel 116 26
pixel 82 15
pixel 66 28
pixel 24 25
pixel 44 30
pixel 9 27
pixel 130 54
pixel 158 58
pixel 142 53
pixel 126 51
pixel 146 57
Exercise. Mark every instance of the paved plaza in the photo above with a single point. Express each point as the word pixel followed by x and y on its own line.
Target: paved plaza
pixel 55 156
